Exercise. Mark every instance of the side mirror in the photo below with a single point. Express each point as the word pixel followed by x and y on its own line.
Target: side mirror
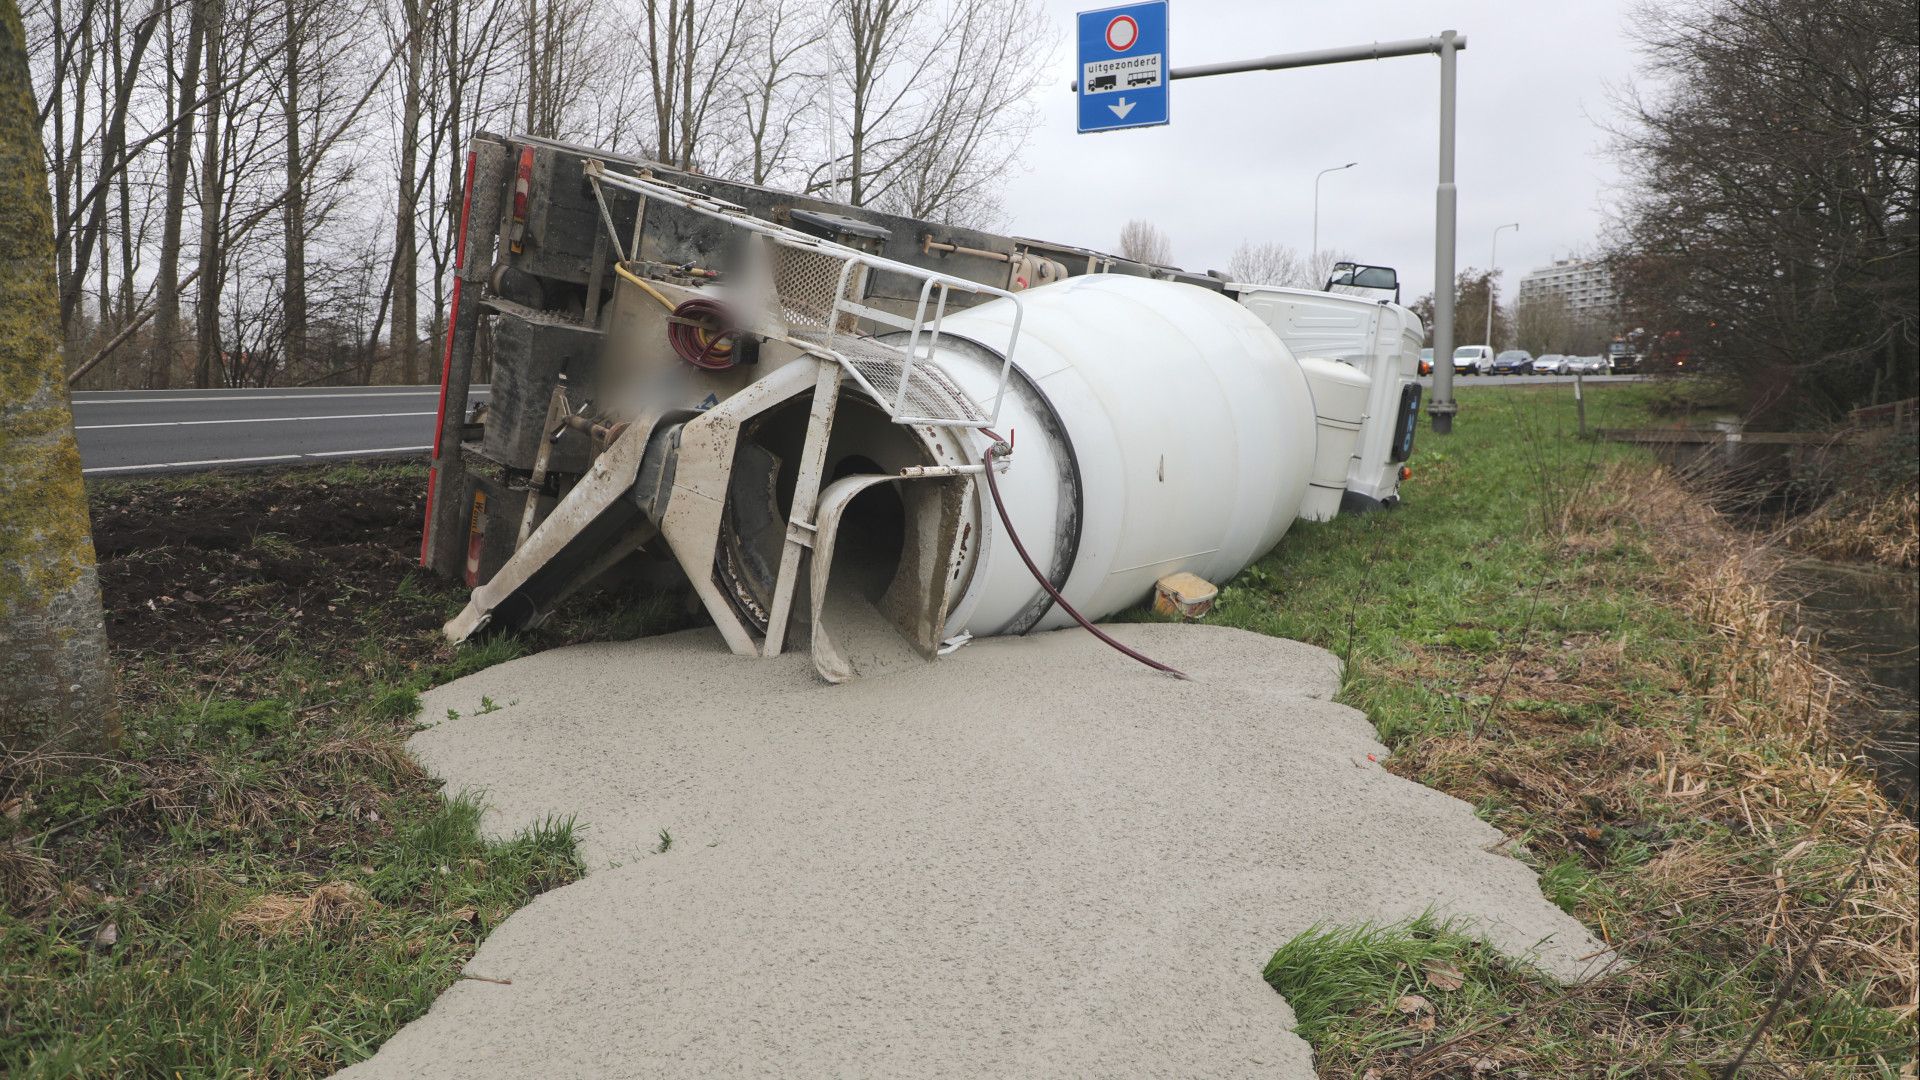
pixel 1363 280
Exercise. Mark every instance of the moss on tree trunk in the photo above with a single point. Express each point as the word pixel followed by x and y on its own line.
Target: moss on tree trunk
pixel 55 689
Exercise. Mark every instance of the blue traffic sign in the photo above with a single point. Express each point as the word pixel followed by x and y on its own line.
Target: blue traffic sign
pixel 1123 66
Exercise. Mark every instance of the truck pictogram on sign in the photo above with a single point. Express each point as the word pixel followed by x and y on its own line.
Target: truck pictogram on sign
pixel 1128 73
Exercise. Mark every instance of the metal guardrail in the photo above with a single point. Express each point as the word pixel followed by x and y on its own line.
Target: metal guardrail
pixel 815 300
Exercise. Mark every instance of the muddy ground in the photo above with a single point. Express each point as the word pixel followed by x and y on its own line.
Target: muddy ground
pixel 211 575
pixel 193 566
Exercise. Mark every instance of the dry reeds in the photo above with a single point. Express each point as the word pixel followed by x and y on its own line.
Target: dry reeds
pixel 1777 767
pixel 1883 529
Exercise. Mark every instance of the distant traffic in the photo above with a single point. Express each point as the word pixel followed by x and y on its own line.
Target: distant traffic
pixel 1480 360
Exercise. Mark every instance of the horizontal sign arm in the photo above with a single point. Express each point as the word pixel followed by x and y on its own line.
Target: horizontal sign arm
pixel 1379 50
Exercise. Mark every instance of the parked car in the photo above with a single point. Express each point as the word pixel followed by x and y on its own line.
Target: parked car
pixel 1587 365
pixel 1472 360
pixel 1426 361
pixel 1552 363
pixel 1513 362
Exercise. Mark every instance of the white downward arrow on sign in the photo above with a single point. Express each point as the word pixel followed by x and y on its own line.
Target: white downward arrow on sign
pixel 1121 110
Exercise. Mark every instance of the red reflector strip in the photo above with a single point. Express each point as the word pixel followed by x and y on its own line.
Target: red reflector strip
pixel 522 191
pixel 446 357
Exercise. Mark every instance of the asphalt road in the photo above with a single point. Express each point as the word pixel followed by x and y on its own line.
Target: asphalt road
pixel 152 431
pixel 1460 381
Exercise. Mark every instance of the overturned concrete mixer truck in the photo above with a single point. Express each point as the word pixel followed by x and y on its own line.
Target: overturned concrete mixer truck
pixel 834 422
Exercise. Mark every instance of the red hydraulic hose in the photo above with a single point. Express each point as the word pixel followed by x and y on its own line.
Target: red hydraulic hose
pixel 994 487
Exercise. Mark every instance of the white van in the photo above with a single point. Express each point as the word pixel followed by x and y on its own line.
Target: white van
pixel 1472 360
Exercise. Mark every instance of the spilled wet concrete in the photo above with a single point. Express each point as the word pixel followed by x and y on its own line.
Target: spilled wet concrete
pixel 1031 858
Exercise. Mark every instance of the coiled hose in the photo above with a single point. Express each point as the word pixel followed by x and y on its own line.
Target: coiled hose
pixel 700 335
pixel 697 328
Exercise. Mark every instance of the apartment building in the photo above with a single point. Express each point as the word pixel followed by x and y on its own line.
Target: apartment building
pixel 1585 287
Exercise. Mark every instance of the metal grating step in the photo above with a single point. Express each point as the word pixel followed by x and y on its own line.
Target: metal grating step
pixel 932 395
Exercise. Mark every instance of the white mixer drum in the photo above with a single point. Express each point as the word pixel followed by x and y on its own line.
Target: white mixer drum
pixel 1158 427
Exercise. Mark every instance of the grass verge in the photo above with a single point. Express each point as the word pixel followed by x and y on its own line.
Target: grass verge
pixel 1558 633
pixel 258 880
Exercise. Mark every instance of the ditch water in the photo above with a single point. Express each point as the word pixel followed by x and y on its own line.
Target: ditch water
pixel 1869 617
pixel 1866 617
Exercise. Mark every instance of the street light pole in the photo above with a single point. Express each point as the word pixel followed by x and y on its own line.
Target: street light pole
pixel 1493 263
pixel 1314 257
pixel 1446 205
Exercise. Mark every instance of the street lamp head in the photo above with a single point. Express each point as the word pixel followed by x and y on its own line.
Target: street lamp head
pixel 1317 177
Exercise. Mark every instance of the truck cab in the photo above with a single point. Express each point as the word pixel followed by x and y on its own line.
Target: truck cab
pixel 1356 324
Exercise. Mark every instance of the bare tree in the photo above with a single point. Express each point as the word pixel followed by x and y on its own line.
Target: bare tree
pixel 1142 241
pixel 1542 325
pixel 297 26
pixel 930 100
pixel 225 134
pixel 212 186
pixel 183 109
pixel 55 687
pixel 778 98
pixel 461 99
pixel 1771 221
pixel 978 117
pixel 411 40
pixel 1320 268
pixel 692 53
pixel 1268 263
pixel 559 50
pixel 90 52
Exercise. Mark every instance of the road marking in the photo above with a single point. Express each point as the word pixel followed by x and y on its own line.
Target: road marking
pixel 248 420
pixel 252 460
pixel 257 397
pixel 189 464
pixel 375 450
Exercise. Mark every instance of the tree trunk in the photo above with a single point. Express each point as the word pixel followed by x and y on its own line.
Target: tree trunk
pixel 406 255
pixel 207 302
pixel 55 687
pixel 125 76
pixel 72 262
pixel 104 155
pixel 166 319
pixel 294 317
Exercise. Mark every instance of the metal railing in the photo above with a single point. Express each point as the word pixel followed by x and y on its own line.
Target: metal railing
pixel 816 301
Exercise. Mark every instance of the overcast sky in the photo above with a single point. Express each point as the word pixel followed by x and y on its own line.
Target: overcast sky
pixel 1238 161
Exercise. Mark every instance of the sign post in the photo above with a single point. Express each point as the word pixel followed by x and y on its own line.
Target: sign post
pixel 1123 67
pixel 1123 81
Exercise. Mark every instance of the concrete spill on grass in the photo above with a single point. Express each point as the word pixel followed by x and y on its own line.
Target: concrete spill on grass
pixel 1031 858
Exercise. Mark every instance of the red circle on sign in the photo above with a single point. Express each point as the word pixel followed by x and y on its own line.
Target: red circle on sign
pixel 1122 32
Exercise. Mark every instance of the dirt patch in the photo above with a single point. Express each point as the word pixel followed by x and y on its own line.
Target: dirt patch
pixel 189 567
